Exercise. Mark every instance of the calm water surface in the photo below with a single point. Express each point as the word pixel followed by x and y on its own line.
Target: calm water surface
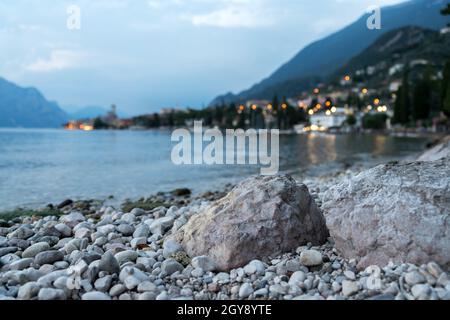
pixel 42 166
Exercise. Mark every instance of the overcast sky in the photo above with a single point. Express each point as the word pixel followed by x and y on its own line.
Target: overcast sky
pixel 144 55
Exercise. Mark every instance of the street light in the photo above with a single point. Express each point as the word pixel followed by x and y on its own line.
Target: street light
pixel 311 112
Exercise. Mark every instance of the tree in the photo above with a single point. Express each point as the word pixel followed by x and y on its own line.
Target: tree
pixel 276 107
pixel 100 124
pixel 351 120
pixel 446 11
pixel 402 103
pixel 422 98
pixel 445 94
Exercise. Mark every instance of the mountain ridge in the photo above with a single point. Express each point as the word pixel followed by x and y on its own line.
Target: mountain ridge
pixel 27 107
pixel 345 44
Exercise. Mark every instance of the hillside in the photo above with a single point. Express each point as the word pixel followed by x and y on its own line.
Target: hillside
pixel 28 108
pixel 414 46
pixel 324 57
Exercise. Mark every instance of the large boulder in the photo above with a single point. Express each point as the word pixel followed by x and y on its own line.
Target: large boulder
pixel 438 151
pixel 262 216
pixel 397 211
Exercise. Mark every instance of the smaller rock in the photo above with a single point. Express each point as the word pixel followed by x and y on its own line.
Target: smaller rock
pixel 204 262
pixel 28 291
pixel 297 278
pixel 103 284
pixel 51 294
pixel 170 247
pixel 126 256
pixel 109 263
pixel 171 266
pixel 349 288
pixel 95 295
pixel 311 258
pixel 48 257
pixel 245 290
pixel 255 267
pixel 421 291
pixel 414 277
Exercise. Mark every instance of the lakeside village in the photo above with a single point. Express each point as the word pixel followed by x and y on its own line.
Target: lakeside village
pixel 413 99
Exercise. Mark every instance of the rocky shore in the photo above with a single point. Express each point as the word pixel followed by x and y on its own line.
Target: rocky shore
pixel 380 234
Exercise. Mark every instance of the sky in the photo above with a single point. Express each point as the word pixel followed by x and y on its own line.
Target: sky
pixel 144 55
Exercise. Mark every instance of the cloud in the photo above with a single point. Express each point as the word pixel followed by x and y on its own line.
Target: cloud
pixel 58 60
pixel 234 16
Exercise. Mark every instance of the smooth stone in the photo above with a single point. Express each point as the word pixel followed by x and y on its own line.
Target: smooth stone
pixel 28 291
pixel 117 290
pixel 255 267
pixel 146 286
pixel 103 284
pixel 64 229
pixel 171 266
pixel 349 288
pixel 245 290
pixel 147 296
pixel 142 231
pixel 161 225
pixel 297 278
pixel 170 247
pixel 414 277
pixel 350 275
pixel 137 242
pixel 421 291
pixel 35 249
pixel 125 229
pixel 126 256
pixel 204 262
pixel 95 296
pixel 311 258
pixel 51 294
pixel 48 257
pixel 21 264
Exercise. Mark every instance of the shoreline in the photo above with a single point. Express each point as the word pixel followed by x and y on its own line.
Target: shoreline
pixel 92 251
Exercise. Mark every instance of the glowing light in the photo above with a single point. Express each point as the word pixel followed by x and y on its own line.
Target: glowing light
pixel 318 106
pixel 347 78
pixel 328 113
pixel 328 103
pixel 311 112
pixel 242 108
pixel 269 107
pixel 314 128
pixel 365 91
pixel 284 106
pixel 254 107
pixel 333 109
pixel 316 91
pixel 376 101
pixel 369 108
pixel 86 127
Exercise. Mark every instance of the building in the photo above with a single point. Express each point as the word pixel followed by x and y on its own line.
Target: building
pixel 330 119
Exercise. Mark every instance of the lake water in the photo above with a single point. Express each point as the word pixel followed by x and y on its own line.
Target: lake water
pixel 47 166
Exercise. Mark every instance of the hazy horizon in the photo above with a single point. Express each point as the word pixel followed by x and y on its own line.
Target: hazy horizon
pixel 147 55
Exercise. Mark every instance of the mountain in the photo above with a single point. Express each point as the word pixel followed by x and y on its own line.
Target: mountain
pixel 322 58
pixel 28 108
pixel 398 47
